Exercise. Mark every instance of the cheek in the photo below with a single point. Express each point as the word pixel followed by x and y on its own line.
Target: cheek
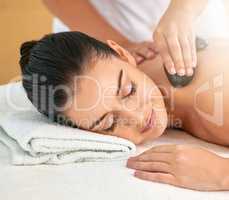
pixel 148 91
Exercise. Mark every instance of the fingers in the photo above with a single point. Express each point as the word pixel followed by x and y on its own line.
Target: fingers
pixel 149 156
pixel 149 166
pixel 176 53
pixel 155 164
pixel 164 148
pixel 139 59
pixel 161 46
pixel 159 154
pixel 187 55
pixel 156 177
pixel 146 50
pixel 143 51
pixel 192 40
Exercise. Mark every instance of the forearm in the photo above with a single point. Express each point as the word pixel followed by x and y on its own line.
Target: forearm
pixel 192 7
pixel 226 4
pixel 80 15
pixel 225 181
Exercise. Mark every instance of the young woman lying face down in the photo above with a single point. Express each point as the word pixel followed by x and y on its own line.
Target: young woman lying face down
pixel 99 88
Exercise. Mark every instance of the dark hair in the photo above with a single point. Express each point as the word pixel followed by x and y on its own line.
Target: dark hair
pixel 53 61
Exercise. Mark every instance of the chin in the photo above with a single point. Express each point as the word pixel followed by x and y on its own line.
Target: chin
pixel 154 135
pixel 142 141
pixel 150 134
pixel 160 128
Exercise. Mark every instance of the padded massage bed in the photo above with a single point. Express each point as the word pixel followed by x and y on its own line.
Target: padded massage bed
pixel 96 180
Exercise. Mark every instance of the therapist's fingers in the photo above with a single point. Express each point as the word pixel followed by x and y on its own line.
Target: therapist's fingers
pixel 162 47
pixel 145 50
pixel 138 58
pixel 142 51
pixel 176 53
pixel 187 54
pixel 192 40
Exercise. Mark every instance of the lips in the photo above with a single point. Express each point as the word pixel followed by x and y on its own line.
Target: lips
pixel 149 123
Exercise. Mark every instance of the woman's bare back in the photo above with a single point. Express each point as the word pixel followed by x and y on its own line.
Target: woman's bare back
pixel 203 106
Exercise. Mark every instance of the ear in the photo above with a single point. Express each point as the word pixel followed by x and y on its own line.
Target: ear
pixel 123 53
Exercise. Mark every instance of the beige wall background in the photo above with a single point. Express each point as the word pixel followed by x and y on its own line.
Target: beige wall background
pixel 20 20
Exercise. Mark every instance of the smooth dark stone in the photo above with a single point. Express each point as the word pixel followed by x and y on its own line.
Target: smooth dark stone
pixel 179 81
pixel 182 81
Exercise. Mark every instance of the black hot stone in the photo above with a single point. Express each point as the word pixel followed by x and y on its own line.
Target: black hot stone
pixel 182 81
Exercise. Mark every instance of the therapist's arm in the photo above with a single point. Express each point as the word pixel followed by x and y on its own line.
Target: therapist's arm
pixel 175 36
pixel 226 4
pixel 192 7
pixel 80 15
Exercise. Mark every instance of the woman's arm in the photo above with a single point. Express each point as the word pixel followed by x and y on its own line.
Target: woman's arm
pixel 226 173
pixel 80 15
pixel 184 166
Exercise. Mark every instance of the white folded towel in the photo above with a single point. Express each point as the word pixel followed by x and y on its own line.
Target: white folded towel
pixel 36 140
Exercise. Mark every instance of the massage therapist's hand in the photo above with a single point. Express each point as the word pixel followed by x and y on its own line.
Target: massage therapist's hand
pixel 175 41
pixel 183 166
pixel 141 51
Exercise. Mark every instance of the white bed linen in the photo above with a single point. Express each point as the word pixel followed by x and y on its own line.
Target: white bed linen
pixel 96 181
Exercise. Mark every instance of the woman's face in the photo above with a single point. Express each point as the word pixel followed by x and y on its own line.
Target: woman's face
pixel 115 98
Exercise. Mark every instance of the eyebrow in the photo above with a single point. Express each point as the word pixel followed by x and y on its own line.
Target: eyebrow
pixel 117 93
pixel 119 81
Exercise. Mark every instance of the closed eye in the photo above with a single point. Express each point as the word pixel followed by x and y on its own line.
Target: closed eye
pixel 132 91
pixel 113 126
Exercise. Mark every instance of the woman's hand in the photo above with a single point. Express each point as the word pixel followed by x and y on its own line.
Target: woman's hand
pixel 141 51
pixel 183 166
pixel 174 39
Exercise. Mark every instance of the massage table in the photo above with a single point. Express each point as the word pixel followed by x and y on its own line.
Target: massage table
pixel 97 180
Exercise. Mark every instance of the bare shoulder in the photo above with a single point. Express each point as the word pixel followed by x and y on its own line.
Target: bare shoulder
pixel 209 92
pixel 206 99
